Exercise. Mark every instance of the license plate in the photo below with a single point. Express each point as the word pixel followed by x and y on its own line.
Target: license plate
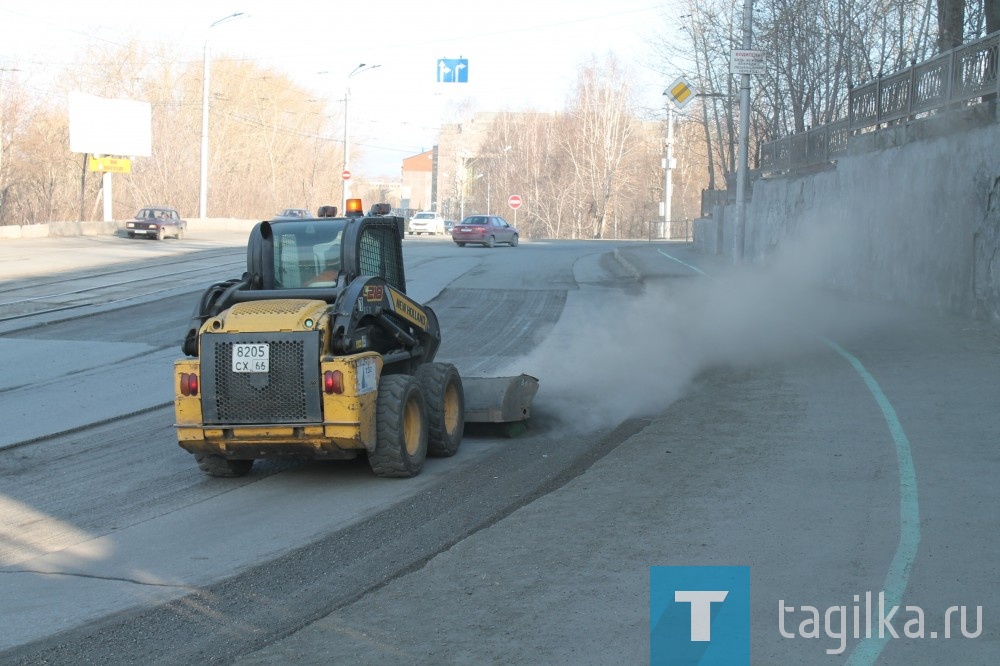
pixel 251 357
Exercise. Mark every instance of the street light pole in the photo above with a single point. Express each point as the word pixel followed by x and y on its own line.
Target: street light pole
pixel 203 197
pixel 346 182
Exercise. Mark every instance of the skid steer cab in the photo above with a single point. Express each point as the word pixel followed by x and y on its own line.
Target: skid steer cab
pixel 316 352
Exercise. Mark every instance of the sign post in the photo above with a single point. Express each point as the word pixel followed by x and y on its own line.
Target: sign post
pixel 514 202
pixel 681 93
pixel 744 62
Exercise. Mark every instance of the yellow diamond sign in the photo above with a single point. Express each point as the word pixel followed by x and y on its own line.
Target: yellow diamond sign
pixel 680 92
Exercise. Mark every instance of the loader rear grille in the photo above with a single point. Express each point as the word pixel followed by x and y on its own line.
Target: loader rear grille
pixel 287 393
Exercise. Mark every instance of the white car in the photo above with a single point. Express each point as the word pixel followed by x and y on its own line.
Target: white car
pixel 427 222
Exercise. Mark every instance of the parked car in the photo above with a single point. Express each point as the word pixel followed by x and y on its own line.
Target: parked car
pixel 448 226
pixel 293 212
pixel 426 222
pixel 156 222
pixel 485 230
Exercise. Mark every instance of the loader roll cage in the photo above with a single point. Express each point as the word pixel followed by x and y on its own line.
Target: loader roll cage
pixel 313 259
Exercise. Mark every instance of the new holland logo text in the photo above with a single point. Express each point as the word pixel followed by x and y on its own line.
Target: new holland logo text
pixel 407 309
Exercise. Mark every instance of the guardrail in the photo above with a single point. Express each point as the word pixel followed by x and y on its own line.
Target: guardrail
pixel 965 73
pixel 93 228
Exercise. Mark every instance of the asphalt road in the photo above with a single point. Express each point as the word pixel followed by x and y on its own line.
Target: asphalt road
pixel 691 414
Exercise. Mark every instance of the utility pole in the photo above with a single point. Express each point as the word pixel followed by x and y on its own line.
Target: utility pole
pixel 742 175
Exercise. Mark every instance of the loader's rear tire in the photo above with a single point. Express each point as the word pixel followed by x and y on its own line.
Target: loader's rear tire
pixel 445 401
pixel 214 465
pixel 400 428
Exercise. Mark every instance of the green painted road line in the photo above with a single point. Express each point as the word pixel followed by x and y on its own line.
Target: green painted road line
pixel 867 651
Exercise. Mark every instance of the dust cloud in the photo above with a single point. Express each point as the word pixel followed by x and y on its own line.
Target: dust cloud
pixel 614 357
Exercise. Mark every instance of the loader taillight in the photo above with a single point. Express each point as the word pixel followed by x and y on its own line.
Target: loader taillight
pixel 189 384
pixel 333 381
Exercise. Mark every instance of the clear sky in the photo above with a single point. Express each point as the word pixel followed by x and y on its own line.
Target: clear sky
pixel 522 54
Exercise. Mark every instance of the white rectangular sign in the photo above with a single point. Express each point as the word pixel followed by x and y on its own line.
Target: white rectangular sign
pixel 746 62
pixel 119 127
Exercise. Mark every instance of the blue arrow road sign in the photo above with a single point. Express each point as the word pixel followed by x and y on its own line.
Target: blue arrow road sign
pixel 453 70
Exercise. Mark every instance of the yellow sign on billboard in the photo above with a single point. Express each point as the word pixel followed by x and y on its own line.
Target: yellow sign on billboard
pixel 112 164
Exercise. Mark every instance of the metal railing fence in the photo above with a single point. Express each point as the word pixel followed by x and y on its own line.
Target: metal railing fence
pixel 965 73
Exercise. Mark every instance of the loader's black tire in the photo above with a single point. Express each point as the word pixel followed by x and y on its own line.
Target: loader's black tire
pixel 445 401
pixel 400 428
pixel 214 465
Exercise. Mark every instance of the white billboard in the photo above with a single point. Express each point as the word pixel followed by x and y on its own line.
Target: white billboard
pixel 101 126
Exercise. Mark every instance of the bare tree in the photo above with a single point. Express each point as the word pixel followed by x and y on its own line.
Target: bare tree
pixel 951 24
pixel 602 140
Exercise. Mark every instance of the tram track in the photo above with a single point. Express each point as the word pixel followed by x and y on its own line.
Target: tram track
pixel 30 301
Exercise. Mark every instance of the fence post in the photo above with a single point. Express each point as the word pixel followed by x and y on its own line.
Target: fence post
pixel 878 100
pixel 949 85
pixel 909 92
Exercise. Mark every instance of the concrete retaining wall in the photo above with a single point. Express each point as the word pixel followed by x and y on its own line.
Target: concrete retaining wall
pixel 916 222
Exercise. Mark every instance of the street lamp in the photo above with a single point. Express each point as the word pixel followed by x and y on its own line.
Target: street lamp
pixel 347 135
pixel 203 199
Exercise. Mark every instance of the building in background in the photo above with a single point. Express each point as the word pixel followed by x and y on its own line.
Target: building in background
pixel 417 191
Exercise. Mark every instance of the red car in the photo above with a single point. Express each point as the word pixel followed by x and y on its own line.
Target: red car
pixel 485 230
